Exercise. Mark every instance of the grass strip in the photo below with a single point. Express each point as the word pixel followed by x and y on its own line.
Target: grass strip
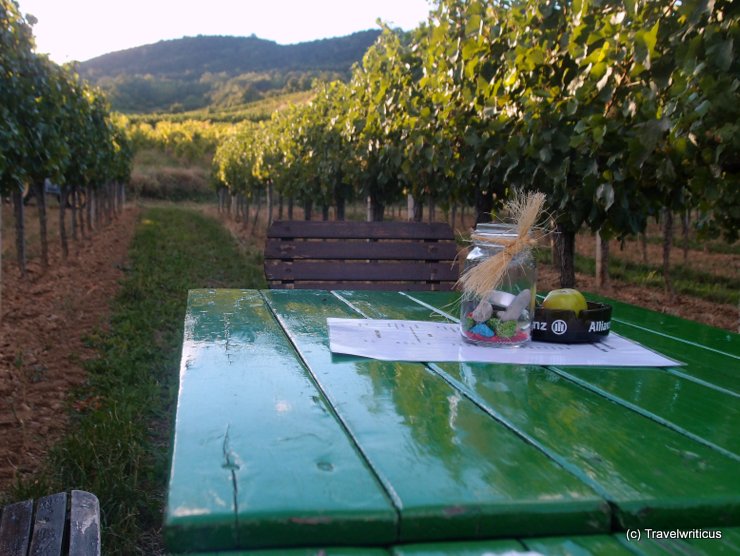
pixel 697 245
pixel 119 441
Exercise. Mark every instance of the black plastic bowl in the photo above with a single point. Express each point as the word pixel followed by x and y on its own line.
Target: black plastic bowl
pixel 563 326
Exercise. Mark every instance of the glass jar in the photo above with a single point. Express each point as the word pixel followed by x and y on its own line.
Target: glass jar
pixel 503 316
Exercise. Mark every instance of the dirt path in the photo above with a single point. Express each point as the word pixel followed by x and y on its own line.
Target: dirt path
pixel 44 321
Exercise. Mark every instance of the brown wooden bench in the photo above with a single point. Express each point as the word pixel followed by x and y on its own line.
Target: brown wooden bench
pixel 361 255
pixel 58 524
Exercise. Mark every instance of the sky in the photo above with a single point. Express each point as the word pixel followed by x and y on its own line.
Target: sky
pixel 82 29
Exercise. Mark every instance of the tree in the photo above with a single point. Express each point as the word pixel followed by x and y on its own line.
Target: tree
pixel 374 117
pixel 16 106
pixel 463 48
pixel 334 152
pixel 46 144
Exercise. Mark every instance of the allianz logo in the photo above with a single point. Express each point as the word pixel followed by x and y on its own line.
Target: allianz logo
pixel 560 327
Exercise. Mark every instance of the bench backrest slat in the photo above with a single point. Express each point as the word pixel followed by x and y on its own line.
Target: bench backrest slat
pixel 346 229
pixel 84 524
pixel 361 255
pixel 375 271
pixel 15 528
pixel 359 250
pixel 48 530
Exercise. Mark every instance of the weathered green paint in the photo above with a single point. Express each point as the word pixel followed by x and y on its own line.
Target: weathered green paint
pixel 592 545
pixel 259 459
pixel 452 471
pixel 655 476
pixel 460 548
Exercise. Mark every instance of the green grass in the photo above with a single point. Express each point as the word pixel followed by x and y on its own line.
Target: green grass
pixel 118 444
pixel 696 245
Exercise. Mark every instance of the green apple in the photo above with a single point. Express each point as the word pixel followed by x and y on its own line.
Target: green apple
pixel 566 299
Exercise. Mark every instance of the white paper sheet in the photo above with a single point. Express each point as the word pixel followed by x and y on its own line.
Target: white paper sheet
pixel 407 340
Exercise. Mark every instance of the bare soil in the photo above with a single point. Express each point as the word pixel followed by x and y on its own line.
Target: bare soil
pixel 45 317
pixel 43 322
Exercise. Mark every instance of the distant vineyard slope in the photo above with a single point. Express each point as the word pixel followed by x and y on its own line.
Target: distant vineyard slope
pixel 218 71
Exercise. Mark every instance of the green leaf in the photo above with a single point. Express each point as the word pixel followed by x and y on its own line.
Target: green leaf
pixel 473 25
pixel 645 42
pixel 721 54
pixel 703 108
pixel 470 68
pixel 511 77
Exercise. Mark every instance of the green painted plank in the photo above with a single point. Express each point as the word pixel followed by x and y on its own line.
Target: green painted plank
pixel 728 545
pixel 259 459
pixel 712 355
pixel 446 302
pixel 707 415
pixel 592 545
pixel 730 541
pixel 690 331
pixel 706 412
pixel 469 548
pixel 654 475
pixel 712 368
pixel 453 471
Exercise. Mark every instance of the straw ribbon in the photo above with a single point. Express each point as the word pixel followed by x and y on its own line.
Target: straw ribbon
pixel 485 277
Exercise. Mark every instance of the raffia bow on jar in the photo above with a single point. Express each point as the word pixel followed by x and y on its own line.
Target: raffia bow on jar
pixel 499 281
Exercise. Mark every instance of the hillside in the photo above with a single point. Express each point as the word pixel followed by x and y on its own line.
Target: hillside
pixel 218 71
pixel 191 57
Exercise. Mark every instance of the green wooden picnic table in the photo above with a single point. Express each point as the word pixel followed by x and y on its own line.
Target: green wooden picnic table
pixel 283 447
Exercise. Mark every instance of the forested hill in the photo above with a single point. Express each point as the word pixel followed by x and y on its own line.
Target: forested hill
pixel 218 71
pixel 194 56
